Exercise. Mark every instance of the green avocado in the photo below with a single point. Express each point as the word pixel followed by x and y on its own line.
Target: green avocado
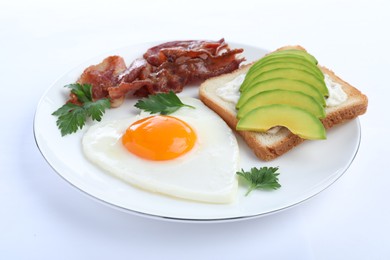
pixel 280 96
pixel 282 64
pixel 281 83
pixel 288 73
pixel 302 53
pixel 297 120
pixel 282 60
pixel 272 58
pixel 288 55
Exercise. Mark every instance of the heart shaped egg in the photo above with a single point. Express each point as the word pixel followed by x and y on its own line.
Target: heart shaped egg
pixel 190 154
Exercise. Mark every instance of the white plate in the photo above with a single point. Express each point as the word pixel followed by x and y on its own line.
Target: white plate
pixel 304 172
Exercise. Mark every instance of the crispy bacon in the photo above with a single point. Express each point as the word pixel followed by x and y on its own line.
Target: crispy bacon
pixel 165 67
pixel 169 51
pixel 101 76
pixel 176 64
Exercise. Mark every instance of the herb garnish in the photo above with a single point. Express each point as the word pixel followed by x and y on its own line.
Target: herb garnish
pixel 163 103
pixel 263 178
pixel 72 117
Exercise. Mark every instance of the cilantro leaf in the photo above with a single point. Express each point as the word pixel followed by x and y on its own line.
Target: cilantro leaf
pixel 163 103
pixel 263 178
pixel 72 117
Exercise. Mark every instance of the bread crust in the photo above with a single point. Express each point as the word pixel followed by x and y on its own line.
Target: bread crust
pixel 356 105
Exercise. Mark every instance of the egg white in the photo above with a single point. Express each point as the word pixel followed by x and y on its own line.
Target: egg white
pixel 207 173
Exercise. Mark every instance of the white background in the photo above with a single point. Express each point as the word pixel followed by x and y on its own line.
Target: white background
pixel 43 217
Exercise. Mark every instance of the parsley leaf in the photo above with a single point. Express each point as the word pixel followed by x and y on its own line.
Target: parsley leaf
pixel 263 178
pixel 96 109
pixel 163 103
pixel 83 92
pixel 72 117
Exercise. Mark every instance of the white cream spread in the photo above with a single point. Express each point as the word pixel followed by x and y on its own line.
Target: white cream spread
pixel 336 92
pixel 230 92
pixel 273 130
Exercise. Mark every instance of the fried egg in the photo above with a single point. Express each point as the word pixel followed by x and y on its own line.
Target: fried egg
pixel 190 154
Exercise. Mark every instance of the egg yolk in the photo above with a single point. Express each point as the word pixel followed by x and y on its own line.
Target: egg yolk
pixel 159 138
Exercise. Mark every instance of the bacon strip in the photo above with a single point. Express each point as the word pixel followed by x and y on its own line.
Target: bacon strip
pixel 160 53
pixel 102 77
pixel 165 67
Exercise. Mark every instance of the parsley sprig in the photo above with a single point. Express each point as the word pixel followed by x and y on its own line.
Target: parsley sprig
pixel 263 178
pixel 163 103
pixel 72 117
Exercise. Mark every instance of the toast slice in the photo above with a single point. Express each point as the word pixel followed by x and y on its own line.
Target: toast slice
pixel 270 145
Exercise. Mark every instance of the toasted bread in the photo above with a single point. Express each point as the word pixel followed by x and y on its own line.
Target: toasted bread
pixel 269 145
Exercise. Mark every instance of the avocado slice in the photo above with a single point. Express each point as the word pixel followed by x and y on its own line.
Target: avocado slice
pixel 281 83
pixel 271 57
pixel 281 64
pixel 297 120
pixel 281 96
pixel 288 59
pixel 295 74
pixel 302 53
pixel 287 53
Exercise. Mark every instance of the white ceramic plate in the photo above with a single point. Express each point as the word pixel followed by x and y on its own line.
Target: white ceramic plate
pixel 304 172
